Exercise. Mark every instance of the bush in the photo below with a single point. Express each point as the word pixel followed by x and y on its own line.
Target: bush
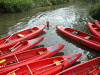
pixel 45 3
pixel 57 2
pixel 95 11
pixel 10 6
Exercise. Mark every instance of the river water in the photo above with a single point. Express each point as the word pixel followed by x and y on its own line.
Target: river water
pixel 69 17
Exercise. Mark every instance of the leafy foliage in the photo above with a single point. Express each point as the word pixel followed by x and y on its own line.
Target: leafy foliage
pixel 11 6
pixel 95 11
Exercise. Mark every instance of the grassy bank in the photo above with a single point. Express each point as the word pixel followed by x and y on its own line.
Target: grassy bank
pixel 94 11
pixel 94 7
pixel 12 6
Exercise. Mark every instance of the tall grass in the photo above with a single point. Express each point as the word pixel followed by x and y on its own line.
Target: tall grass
pixel 57 2
pixel 10 6
pixel 95 11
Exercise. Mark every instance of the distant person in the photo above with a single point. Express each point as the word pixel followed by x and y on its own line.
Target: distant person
pixel 48 24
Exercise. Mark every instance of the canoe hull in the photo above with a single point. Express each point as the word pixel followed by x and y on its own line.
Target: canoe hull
pixel 50 70
pixel 95 29
pixel 31 43
pixel 97 22
pixel 93 42
pixel 30 56
pixel 83 68
pixel 15 38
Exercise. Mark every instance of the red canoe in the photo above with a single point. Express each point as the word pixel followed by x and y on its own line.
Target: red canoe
pixel 97 22
pixel 95 29
pixel 28 56
pixel 91 67
pixel 18 47
pixel 81 37
pixel 49 66
pixel 22 35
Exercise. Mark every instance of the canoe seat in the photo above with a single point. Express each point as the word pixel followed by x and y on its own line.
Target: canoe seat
pixel 87 37
pixel 75 32
pixel 13 73
pixel 20 35
pixel 96 28
pixel 41 52
pixel 1 66
pixel 57 62
pixel 3 60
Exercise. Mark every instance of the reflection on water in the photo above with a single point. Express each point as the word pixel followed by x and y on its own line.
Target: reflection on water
pixel 71 16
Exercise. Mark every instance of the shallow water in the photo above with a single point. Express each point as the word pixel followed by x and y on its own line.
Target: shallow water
pixel 70 17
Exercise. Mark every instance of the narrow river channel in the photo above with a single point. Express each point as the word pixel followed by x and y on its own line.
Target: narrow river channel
pixel 70 17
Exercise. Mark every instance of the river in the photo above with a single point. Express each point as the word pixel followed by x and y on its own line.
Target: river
pixel 71 16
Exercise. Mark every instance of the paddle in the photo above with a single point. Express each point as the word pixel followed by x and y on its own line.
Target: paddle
pixel 52 64
pixel 41 67
pixel 14 46
pixel 32 71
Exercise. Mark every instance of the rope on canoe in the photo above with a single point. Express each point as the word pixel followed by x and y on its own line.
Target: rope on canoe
pixel 92 71
pixel 8 38
pixel 16 58
pixel 13 71
pixel 16 44
pixel 30 70
pixel 17 47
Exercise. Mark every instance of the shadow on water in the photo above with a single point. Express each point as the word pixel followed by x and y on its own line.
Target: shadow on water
pixel 39 46
pixel 59 54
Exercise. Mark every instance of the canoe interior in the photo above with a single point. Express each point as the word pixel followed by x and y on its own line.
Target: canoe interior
pixel 36 65
pixel 23 56
pixel 83 35
pixel 83 69
pixel 6 50
pixel 96 28
pixel 16 36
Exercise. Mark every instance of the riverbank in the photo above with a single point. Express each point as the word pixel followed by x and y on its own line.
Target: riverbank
pixel 94 11
pixel 13 6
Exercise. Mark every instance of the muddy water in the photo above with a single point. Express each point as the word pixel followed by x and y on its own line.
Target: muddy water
pixel 70 17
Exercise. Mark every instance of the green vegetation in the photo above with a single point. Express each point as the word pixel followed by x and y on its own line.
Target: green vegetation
pixel 95 11
pixel 12 6
pixel 57 2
